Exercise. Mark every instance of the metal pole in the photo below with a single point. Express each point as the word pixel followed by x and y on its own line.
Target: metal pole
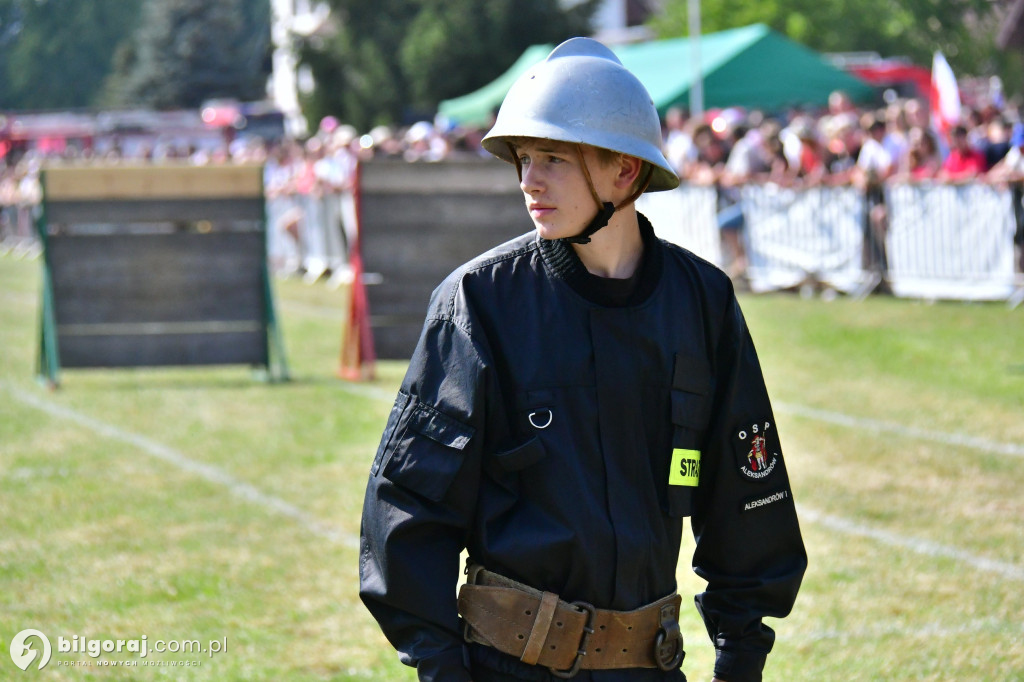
pixel 697 87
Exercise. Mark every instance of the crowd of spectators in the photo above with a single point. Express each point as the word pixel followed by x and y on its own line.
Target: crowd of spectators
pixel 840 144
pixel 845 145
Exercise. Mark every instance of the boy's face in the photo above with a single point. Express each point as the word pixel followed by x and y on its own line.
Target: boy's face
pixel 557 196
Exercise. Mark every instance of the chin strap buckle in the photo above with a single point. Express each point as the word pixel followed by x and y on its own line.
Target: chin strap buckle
pixel 599 221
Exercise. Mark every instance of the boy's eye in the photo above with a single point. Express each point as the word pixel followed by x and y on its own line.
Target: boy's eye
pixel 525 160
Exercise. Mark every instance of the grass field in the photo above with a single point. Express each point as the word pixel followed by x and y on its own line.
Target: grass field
pixel 201 504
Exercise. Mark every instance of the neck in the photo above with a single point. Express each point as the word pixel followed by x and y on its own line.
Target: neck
pixel 616 249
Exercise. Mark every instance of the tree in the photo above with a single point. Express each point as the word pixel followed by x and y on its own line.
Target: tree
pixel 964 30
pixel 56 53
pixel 376 70
pixel 452 45
pixel 356 70
pixel 188 51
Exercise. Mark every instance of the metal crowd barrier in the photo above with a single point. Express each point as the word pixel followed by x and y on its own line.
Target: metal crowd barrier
pixel 951 241
pixel 793 235
pixel 686 216
pixel 17 231
pixel 309 235
pixel 937 241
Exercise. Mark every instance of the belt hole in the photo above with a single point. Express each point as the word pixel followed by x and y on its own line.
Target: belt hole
pixel 597 651
pixel 630 627
pixel 529 613
pixel 559 624
pixel 520 637
pixel 625 651
pixel 553 647
pixel 602 627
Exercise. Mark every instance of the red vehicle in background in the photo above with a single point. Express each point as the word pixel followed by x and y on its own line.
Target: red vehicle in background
pixel 904 78
pixel 896 74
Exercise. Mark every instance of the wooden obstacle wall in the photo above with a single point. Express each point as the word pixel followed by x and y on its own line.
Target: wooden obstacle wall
pixel 156 266
pixel 420 221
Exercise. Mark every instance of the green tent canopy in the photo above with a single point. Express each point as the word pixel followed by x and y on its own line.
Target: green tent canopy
pixel 478 107
pixel 752 67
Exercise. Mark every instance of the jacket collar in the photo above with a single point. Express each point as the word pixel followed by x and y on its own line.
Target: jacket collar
pixel 561 260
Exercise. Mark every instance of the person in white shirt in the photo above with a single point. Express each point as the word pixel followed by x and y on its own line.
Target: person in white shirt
pixel 875 165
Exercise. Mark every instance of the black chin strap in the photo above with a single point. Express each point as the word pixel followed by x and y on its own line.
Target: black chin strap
pixel 605 209
pixel 604 214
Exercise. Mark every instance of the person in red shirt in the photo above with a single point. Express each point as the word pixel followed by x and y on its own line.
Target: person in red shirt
pixel 964 163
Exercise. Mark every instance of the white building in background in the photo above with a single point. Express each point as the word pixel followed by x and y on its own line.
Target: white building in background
pixel 622 21
pixel 289 18
pixel 615 21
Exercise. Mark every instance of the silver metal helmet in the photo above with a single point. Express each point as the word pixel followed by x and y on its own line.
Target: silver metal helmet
pixel 583 94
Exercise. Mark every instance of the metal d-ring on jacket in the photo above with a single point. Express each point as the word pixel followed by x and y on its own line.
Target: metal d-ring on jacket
pixel 561 431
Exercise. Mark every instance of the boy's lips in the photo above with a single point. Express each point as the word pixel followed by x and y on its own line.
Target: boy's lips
pixel 540 209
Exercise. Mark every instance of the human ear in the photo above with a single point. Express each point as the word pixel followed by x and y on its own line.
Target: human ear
pixel 629 168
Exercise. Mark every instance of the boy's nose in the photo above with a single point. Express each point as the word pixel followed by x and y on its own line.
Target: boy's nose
pixel 531 180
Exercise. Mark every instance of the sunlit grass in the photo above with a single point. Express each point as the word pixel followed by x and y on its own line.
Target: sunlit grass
pixel 102 538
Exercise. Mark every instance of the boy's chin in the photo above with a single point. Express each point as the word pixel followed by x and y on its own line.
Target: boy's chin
pixel 549 232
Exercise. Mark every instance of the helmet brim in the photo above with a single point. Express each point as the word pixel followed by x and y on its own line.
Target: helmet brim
pixel 663 178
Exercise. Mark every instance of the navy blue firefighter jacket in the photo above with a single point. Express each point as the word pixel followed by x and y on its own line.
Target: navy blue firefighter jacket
pixel 560 430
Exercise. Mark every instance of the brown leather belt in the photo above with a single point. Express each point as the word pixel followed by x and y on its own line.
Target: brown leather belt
pixel 541 629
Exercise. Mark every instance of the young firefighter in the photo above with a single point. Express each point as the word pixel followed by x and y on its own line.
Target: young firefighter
pixel 574 396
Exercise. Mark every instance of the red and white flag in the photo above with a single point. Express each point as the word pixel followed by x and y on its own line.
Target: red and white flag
pixel 945 103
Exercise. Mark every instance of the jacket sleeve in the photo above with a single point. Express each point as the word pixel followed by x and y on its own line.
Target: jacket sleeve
pixel 419 500
pixel 748 543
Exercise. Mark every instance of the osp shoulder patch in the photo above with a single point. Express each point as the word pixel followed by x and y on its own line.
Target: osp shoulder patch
pixel 761 501
pixel 757 449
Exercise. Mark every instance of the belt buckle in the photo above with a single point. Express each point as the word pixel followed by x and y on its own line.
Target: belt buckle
pixel 588 630
pixel 668 645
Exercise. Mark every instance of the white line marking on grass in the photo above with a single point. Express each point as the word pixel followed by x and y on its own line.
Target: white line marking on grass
pixel 207 472
pixel 1012 449
pixel 917 545
pixel 924 547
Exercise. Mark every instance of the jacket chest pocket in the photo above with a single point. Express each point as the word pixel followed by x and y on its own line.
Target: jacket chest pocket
pixel 535 422
pixel 537 417
pixel 690 414
pixel 429 453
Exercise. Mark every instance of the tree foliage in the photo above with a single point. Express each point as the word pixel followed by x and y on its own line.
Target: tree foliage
pixel 388 71
pixel 189 51
pixel 56 53
pixel 166 53
pixel 964 30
